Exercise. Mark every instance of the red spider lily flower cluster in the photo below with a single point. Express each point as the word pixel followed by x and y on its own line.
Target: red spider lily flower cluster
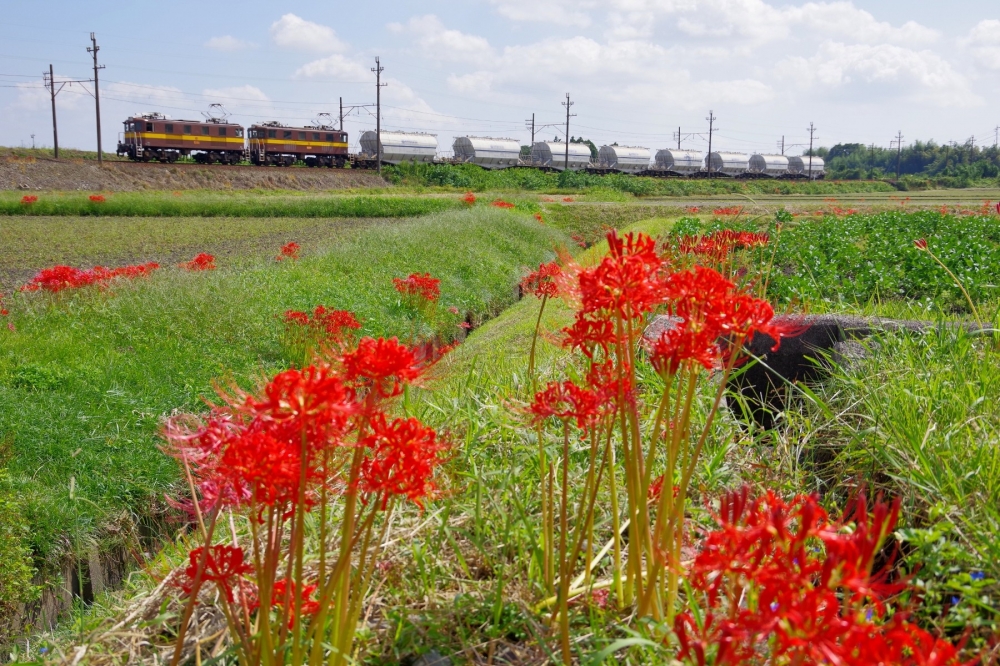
pixel 3 311
pixel 201 262
pixel 728 210
pixel 568 199
pixel 692 209
pixel 718 244
pixel 58 278
pixel 469 198
pixel 288 251
pixel 333 323
pixel 920 243
pixel 784 583
pixel 538 217
pixel 419 286
pixel 500 203
pixel 711 319
pixel 541 282
pixel 309 440
pixel 97 198
pixel 29 199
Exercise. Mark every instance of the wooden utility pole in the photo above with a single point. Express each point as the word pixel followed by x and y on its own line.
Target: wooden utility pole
pixel 899 152
pixel 812 130
pixel 378 69
pixel 94 48
pixel 567 104
pixel 871 161
pixel 341 114
pixel 55 130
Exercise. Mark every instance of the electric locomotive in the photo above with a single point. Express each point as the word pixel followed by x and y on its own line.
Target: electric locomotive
pixel 153 136
pixel 272 143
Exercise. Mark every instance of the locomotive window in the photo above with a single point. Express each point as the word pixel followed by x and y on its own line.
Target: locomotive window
pixel 286 135
pixel 222 131
pixel 272 134
pixel 329 137
pixel 149 127
pixel 315 136
pixel 302 136
pixel 204 130
pixel 187 129
pixel 237 132
pixel 168 128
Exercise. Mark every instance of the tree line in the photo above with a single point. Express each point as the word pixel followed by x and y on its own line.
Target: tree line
pixel 964 164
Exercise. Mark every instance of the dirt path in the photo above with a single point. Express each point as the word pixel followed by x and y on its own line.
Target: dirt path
pixel 48 174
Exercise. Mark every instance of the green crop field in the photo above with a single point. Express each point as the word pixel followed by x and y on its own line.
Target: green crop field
pixel 88 375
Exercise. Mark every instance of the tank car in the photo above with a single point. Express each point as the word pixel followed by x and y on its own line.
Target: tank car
pixel 680 162
pixel 153 136
pixel 487 152
pixel 399 147
pixel 728 164
pixel 773 166
pixel 806 167
pixel 625 159
pixel 552 155
pixel 272 143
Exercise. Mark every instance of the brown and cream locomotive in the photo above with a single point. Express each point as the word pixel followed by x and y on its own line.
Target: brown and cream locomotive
pixel 276 144
pixel 156 137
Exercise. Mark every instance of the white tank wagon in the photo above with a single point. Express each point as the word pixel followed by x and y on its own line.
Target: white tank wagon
pixel 683 162
pixel 400 147
pixel 487 152
pixel 552 154
pixel 728 164
pixel 800 167
pixel 627 159
pixel 773 166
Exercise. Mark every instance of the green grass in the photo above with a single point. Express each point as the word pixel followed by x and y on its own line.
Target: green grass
pixel 87 377
pixel 211 205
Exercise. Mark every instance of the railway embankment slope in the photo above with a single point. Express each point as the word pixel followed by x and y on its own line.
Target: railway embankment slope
pixel 85 175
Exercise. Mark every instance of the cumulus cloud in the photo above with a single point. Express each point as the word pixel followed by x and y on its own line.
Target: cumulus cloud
pixel 335 66
pixel 228 43
pixel 440 43
pixel 245 93
pixel 294 32
pixel 879 70
pixel 983 41
pixel 572 13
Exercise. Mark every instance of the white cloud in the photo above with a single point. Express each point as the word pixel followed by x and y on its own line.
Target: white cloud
pixel 294 32
pixel 560 12
pixel 335 66
pixel 983 41
pixel 245 93
pixel 880 70
pixel 440 43
pixel 228 43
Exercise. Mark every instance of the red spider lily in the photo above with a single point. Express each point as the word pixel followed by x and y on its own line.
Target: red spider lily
pixel 288 251
pixel 538 216
pixel 767 584
pixel 402 457
pixel 202 262
pixel 540 282
pixel 58 278
pixel 627 282
pixel 452 309
pixel 580 241
pixel 500 203
pixel 728 210
pixel 998 208
pixel 588 334
pixel 920 244
pixel 469 198
pixel 97 198
pixel 384 366
pixel 568 199
pixel 693 209
pixel 421 286
pixel 223 565
pixel 568 402
pixel 331 324
pixel 3 311
pixel 29 199
pixel 284 592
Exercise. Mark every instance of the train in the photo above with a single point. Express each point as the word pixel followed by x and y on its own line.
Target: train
pixel 214 140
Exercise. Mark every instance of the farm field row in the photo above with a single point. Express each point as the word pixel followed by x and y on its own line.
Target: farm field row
pixel 87 376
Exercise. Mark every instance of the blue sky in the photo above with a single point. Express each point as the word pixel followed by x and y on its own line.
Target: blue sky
pixel 636 69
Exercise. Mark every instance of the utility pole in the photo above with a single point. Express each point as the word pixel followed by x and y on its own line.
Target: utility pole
pixel 871 161
pixel 567 104
pixel 711 121
pixel 812 130
pixel 530 124
pixel 52 89
pixel 899 152
pixel 782 145
pixel 678 138
pixel 94 48
pixel 341 114
pixel 32 141
pixel 996 135
pixel 378 69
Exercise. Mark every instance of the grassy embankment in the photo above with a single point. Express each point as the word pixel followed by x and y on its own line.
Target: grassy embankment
pixel 88 375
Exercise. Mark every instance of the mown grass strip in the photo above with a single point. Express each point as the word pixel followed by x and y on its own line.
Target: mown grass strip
pixel 147 205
